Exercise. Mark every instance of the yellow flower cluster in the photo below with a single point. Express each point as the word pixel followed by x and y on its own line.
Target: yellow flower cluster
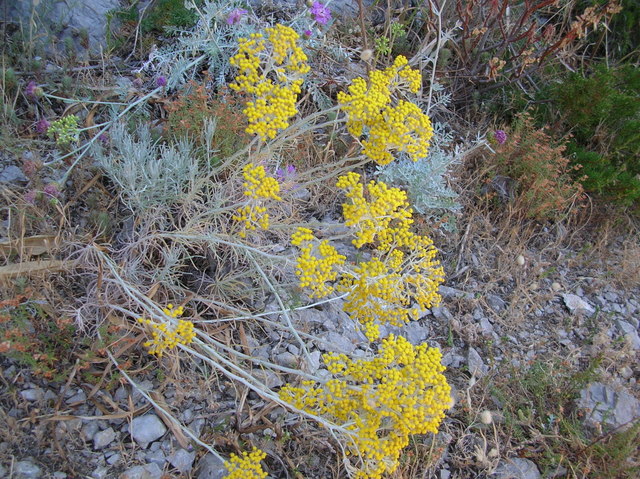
pixel 257 186
pixel 394 290
pixel 246 466
pixel 317 263
pixel 168 335
pixel 382 400
pixel 402 278
pixel 385 217
pixel 269 69
pixel 393 125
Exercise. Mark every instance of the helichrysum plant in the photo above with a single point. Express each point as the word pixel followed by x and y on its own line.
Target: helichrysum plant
pixel 392 124
pixel 401 279
pixel 246 466
pixel 270 70
pixel 167 335
pixel 317 263
pixel 258 187
pixel 65 130
pixel 381 400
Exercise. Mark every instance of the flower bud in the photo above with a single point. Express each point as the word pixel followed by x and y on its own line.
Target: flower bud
pixel 366 55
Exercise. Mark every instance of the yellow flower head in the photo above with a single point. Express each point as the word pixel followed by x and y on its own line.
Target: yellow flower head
pixel 381 400
pixel 167 335
pixel 270 69
pixel 246 466
pixel 392 125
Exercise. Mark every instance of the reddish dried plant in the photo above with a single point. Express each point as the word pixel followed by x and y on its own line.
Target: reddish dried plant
pixel 546 188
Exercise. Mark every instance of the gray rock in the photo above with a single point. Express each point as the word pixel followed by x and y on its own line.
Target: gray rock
pixel 146 385
pixel 441 313
pixel 286 359
pixel 32 394
pixel 415 332
pixel 89 430
pixel 485 326
pixel 516 468
pixel 576 305
pixel 630 333
pixel 12 174
pixel 182 460
pixel 445 474
pixel 608 407
pixel 210 467
pixel 103 438
pixel 146 429
pixel 269 378
pixel 476 365
pixel 79 397
pixel 88 16
pixel 59 475
pixel 452 360
pixel 495 302
pixel 448 292
pixel 121 394
pixel 26 470
pixel 336 342
pixel 312 363
pixel 100 473
pixel 148 471
pixel 156 457
pixel 197 425
pixel 113 459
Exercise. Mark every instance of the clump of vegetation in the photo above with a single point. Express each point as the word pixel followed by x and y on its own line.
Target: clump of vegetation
pixel 601 111
pixel 539 405
pixel 545 188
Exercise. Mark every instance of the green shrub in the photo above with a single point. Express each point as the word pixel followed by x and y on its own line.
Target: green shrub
pixel 602 113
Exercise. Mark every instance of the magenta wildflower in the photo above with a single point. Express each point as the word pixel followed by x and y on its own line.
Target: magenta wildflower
pixel 31 90
pixel 161 81
pixel 308 33
pixel 321 14
pixel 30 197
pixel 42 126
pixel 500 136
pixel 52 190
pixel 236 15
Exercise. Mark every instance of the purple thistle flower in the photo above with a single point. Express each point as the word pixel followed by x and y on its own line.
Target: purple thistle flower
pixel 30 197
pixel 321 14
pixel 236 15
pixel 161 81
pixel 42 126
pixel 308 33
pixel 31 89
pixel 500 136
pixel 52 190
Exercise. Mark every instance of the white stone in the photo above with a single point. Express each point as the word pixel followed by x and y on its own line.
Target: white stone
pixel 103 438
pixel 182 460
pixel 147 428
pixel 576 304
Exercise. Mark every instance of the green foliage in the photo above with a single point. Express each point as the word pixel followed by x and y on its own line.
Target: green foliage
pixel 602 110
pixel 168 14
pixel 34 338
pixel 623 32
pixel 539 406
